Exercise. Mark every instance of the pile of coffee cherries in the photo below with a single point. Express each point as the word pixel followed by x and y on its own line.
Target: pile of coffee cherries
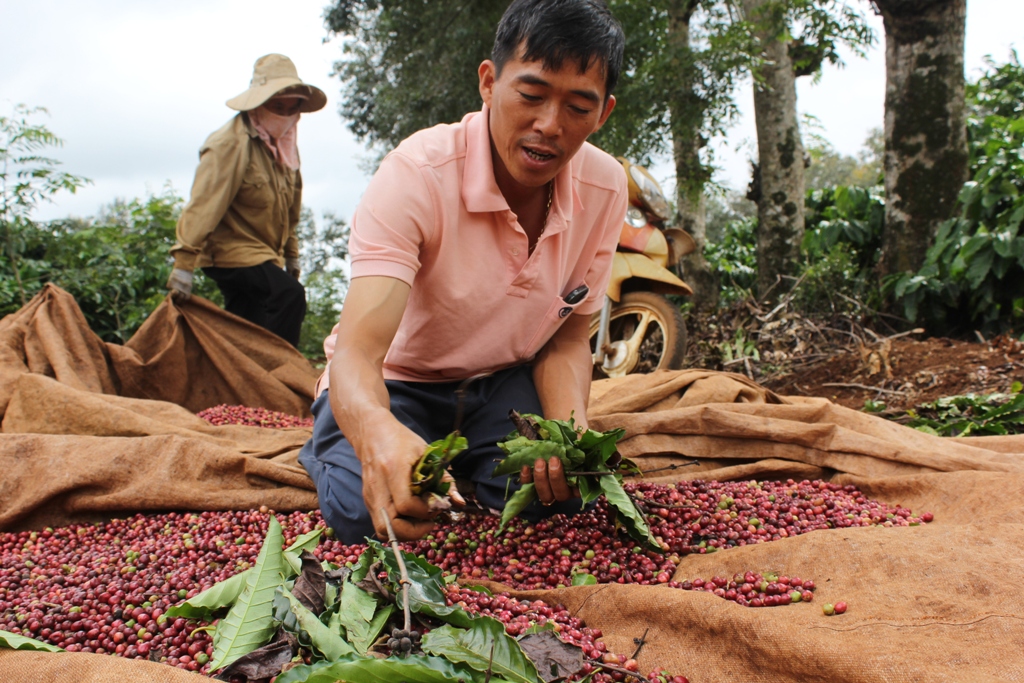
pixel 519 615
pixel 692 517
pixel 753 589
pixel 253 417
pixel 105 588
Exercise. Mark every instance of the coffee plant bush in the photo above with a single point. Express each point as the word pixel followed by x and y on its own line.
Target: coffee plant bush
pixel 116 266
pixel 734 258
pixel 973 276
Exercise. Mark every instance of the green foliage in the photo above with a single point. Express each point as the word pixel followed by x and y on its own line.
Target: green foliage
pixel 115 266
pixel 850 215
pixel 840 248
pixel 428 473
pixel 353 610
pixel 250 622
pixel 741 347
pixel 409 65
pixel 27 178
pixel 829 168
pixel 323 250
pixel 13 641
pixel 734 258
pixel 485 648
pixel 210 602
pixel 591 462
pixel 972 415
pixel 973 275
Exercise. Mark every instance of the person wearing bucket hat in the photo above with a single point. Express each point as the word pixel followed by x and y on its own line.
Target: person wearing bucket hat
pixel 240 222
pixel 478 254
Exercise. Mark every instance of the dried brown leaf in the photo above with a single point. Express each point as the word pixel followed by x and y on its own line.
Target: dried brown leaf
pixel 553 658
pixel 311 587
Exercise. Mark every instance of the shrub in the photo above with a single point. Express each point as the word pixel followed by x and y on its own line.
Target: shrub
pixel 973 275
pixel 734 258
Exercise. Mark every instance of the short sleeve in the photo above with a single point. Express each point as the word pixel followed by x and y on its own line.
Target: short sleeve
pixel 394 220
pixel 600 271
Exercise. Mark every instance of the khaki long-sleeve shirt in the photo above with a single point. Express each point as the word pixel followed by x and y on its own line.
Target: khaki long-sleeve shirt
pixel 244 208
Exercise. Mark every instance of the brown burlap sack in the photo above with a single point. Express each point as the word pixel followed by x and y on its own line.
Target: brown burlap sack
pixel 72 455
pixel 766 436
pixel 82 667
pixel 195 355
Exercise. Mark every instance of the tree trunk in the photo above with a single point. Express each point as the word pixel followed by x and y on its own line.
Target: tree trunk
pixel 691 175
pixel 780 206
pixel 925 127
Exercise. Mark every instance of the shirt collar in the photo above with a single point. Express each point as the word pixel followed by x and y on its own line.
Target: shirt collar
pixel 247 122
pixel 480 192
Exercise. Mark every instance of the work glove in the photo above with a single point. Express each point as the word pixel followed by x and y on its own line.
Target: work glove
pixel 291 266
pixel 180 284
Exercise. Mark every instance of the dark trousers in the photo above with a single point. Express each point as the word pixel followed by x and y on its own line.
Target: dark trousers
pixel 264 295
pixel 429 410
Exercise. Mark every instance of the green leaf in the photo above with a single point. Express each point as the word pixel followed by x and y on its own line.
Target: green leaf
pixel 527 455
pixel 360 617
pixel 328 643
pixel 428 472
pixel 426 592
pixel 583 579
pixel 980 266
pixel 412 669
pixel 473 646
pixel 589 490
pixel 293 553
pixel 15 642
pixel 526 494
pixel 604 443
pixel 250 623
pixel 366 559
pixel 215 598
pixel 629 515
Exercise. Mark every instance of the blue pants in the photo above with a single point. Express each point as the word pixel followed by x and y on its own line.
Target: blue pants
pixel 429 410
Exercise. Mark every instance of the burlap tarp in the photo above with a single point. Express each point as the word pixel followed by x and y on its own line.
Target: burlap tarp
pixel 939 602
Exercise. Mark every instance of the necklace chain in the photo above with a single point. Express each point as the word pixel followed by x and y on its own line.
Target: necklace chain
pixel 547 211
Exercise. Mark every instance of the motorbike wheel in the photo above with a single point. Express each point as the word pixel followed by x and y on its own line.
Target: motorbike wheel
pixel 646 333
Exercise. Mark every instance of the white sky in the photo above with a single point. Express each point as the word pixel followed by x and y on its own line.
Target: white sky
pixel 135 86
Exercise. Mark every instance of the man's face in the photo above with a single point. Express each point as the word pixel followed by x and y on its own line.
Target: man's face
pixel 539 117
pixel 284 105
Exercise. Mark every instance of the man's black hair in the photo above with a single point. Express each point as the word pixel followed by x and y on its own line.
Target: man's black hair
pixel 556 30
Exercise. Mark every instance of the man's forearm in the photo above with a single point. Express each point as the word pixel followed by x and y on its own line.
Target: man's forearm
pixel 359 399
pixel 563 370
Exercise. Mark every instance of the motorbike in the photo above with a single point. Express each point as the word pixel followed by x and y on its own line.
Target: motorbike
pixel 639 330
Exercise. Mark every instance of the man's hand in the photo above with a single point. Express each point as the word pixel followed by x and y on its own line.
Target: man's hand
pixel 292 267
pixel 180 284
pixel 549 478
pixel 387 473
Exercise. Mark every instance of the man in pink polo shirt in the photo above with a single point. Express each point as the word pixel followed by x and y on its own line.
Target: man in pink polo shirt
pixel 479 251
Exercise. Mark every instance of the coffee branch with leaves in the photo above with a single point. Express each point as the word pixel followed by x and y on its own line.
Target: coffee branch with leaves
pixel 592 464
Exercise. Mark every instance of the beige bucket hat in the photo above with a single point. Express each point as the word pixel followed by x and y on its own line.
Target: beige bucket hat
pixel 270 75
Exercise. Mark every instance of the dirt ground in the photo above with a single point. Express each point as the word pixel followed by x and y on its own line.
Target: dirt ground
pixel 903 373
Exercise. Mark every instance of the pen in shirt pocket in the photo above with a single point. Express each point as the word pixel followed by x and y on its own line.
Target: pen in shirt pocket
pixel 577 295
pixel 572 298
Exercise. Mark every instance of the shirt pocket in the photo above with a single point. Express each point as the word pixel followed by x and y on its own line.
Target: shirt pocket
pixel 256 190
pixel 557 314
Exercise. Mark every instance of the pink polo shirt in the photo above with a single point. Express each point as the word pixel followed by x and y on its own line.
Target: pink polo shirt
pixel 433 217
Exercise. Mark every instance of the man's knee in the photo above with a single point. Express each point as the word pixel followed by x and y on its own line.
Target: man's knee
pixel 337 475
